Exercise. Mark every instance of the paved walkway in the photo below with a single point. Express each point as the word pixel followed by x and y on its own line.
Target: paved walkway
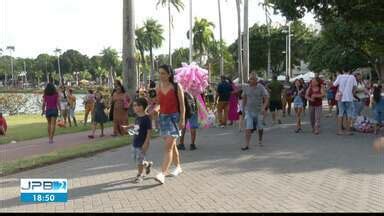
pixel 292 173
pixel 25 149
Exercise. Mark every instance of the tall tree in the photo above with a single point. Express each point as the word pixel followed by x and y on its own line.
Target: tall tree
pixel 142 46
pixel 178 5
pixel 129 61
pixel 362 23
pixel 221 39
pixel 110 60
pixel 154 36
pixel 240 44
pixel 202 36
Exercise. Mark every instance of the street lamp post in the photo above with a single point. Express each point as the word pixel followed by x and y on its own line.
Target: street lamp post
pixel 58 53
pixel 289 50
pixel 12 49
pixel 268 21
pixel 288 71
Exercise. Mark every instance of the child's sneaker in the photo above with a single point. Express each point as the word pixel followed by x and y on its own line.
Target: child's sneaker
pixel 176 172
pixel 148 165
pixel 139 179
pixel 160 178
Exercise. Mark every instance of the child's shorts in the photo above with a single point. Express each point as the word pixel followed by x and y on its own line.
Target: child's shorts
pixel 71 112
pixel 138 155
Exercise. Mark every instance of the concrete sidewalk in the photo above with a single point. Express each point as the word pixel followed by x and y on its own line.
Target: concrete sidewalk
pixel 292 173
pixel 25 149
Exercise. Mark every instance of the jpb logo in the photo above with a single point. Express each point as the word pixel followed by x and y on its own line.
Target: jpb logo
pixel 43 190
pixel 45 185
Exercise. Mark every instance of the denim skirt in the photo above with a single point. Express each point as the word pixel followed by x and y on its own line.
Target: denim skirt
pixel 169 125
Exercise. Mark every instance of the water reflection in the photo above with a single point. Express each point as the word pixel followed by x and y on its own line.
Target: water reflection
pixel 33 105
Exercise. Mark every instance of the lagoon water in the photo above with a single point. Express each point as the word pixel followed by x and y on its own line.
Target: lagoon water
pixel 33 105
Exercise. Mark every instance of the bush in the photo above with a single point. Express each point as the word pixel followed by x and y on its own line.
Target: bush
pixel 12 103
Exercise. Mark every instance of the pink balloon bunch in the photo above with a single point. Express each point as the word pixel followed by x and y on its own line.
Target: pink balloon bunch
pixel 192 78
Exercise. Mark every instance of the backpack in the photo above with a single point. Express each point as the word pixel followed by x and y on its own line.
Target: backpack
pixel 189 102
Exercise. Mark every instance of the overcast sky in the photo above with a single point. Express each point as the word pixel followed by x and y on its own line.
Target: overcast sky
pixel 39 26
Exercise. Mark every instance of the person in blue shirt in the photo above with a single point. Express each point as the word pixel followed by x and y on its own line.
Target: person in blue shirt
pixel 224 90
pixel 141 130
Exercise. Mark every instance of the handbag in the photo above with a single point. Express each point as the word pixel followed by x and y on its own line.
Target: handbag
pixel 338 96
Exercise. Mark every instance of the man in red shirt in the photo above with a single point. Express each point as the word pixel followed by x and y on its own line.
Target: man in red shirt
pixel 3 125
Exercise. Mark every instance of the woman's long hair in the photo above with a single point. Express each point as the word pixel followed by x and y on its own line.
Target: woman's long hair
pixel 118 82
pixel 50 90
pixel 170 71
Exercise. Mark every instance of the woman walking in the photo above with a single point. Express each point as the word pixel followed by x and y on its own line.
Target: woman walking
pixel 170 96
pixel 314 95
pixel 51 107
pixel 121 103
pixel 298 94
pixel 233 114
pixel 361 97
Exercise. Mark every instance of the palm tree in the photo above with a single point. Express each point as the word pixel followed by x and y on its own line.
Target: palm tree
pixel 129 61
pixel 178 5
pixel 202 36
pixel 142 46
pixel 110 60
pixel 153 34
pixel 221 40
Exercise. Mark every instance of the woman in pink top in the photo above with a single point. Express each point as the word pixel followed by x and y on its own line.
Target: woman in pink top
pixel 51 107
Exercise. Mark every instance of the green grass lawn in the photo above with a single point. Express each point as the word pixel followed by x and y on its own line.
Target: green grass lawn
pixel 82 150
pixel 27 127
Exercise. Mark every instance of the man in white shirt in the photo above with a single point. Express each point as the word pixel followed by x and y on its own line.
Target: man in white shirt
pixel 347 85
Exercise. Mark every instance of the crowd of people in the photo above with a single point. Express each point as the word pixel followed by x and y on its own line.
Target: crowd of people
pixel 167 108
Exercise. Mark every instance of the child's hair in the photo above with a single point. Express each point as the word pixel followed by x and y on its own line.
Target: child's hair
pixel 70 91
pixel 377 93
pixel 90 91
pixel 142 102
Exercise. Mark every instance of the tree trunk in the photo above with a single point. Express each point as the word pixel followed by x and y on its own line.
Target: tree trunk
pixel 190 33
pixel 143 64
pixel 246 43
pixel 152 66
pixel 129 61
pixel 239 49
pixel 221 41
